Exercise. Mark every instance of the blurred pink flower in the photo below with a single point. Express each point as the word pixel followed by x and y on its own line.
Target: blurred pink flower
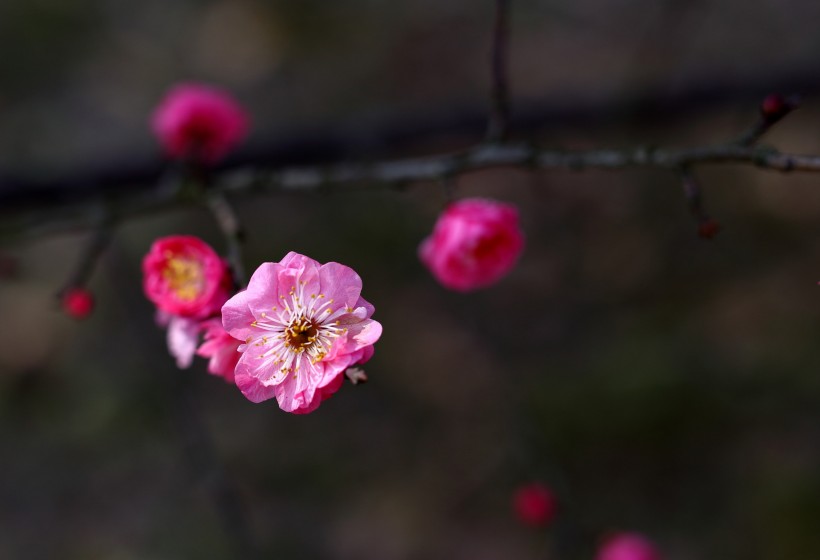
pixel 182 337
pixel 627 546
pixel 303 324
pixel 199 122
pixel 183 276
pixel 534 504
pixel 474 243
pixel 221 348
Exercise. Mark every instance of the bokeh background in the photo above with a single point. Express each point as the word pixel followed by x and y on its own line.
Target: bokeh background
pixel 657 382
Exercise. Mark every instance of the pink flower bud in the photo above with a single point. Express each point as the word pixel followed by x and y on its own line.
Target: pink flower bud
pixel 475 242
pixel 627 546
pixel 535 505
pixel 184 277
pixel 78 303
pixel 199 122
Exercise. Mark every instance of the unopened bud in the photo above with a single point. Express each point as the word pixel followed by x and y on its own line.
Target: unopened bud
pixel 535 505
pixel 775 106
pixel 78 303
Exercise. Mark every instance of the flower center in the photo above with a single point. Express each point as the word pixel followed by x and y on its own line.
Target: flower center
pixel 184 277
pixel 301 333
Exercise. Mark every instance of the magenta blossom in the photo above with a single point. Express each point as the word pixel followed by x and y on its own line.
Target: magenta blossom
pixel 303 324
pixel 474 243
pixel 183 276
pixel 221 348
pixel 627 546
pixel 199 122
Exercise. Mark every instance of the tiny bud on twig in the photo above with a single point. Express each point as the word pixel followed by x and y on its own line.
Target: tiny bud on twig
pixel 776 106
pixel 77 303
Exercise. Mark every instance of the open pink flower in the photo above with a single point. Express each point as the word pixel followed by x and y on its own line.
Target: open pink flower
pixel 627 546
pixel 183 276
pixel 303 324
pixel 474 243
pixel 221 348
pixel 199 122
pixel 534 504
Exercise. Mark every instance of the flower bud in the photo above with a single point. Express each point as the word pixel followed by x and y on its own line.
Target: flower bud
pixel 534 505
pixel 474 244
pixel 199 123
pixel 773 106
pixel 78 303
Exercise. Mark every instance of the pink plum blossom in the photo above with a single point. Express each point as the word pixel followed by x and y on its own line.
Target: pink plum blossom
pixel 183 276
pixel 534 504
pixel 221 348
pixel 302 324
pixel 199 122
pixel 627 546
pixel 475 242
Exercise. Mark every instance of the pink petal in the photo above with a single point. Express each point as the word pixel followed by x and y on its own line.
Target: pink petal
pixel 183 335
pixel 237 317
pixel 340 283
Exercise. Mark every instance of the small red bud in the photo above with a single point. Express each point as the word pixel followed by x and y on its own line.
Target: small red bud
pixel 535 505
pixel 78 303
pixel 708 228
pixel 774 106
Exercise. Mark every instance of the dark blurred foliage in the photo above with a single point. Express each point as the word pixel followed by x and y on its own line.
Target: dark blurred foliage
pixel 658 382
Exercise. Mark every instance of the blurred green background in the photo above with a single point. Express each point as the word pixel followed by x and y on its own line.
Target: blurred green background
pixel 658 382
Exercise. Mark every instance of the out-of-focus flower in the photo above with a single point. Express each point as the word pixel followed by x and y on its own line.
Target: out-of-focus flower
pixel 303 324
pixel 78 303
pixel 183 276
pixel 627 546
pixel 182 337
pixel 474 243
pixel 534 504
pixel 199 122
pixel 221 348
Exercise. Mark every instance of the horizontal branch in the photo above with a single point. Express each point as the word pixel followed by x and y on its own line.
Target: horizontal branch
pixel 52 215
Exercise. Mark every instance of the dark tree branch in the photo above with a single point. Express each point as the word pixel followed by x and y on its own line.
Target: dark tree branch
pixel 205 465
pixel 96 245
pixel 228 222
pixel 363 138
pixel 500 108
pixel 52 215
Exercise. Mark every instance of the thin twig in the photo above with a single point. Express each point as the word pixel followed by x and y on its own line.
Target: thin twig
pixel 95 247
pixel 206 466
pixel 500 95
pixel 228 222
pixel 773 110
